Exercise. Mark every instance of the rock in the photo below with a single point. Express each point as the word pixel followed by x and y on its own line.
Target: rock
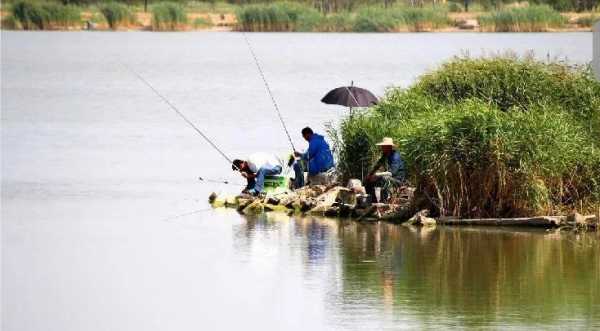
pixel 212 197
pixel 468 24
pixel 89 25
pixel 271 207
pixel 355 185
pixel 243 203
pixel 421 218
pixel 576 219
pixel 335 196
pixel 256 207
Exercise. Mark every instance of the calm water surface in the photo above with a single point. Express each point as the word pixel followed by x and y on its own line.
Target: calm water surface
pixel 99 185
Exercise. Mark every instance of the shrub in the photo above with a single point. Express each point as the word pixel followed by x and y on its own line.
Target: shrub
pixel 339 22
pixel 454 7
pixel 202 22
pixel 117 15
pixel 32 15
pixel 475 150
pixel 536 18
pixel 168 16
pixel 373 19
pixel 588 20
pixel 279 16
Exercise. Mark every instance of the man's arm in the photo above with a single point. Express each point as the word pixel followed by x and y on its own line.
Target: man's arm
pixel 377 165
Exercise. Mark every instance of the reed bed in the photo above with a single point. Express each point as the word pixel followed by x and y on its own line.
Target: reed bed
pixel 536 18
pixel 296 17
pixel 31 15
pixel 168 16
pixel 490 137
pixel 278 16
pixel 117 15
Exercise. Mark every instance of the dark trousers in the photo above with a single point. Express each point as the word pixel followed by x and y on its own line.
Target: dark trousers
pixel 386 183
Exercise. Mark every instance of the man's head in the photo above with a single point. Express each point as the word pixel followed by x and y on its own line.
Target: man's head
pixel 307 133
pixel 386 149
pixel 239 165
pixel 387 146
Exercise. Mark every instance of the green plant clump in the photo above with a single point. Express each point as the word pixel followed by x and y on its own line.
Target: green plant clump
pixel 168 16
pixel 588 20
pixel 278 16
pixel 536 18
pixel 489 137
pixel 117 14
pixel 31 15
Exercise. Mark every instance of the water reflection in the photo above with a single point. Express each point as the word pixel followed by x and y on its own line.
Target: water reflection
pixel 440 276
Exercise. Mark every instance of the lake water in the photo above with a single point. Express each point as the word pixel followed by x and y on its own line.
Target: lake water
pixel 106 227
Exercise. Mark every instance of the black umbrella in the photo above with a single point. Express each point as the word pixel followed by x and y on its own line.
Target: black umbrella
pixel 350 96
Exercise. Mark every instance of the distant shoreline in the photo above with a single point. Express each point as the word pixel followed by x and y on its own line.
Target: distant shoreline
pixel 227 22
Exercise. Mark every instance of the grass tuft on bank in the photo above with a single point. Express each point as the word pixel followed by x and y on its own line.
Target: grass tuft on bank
pixel 535 18
pixel 117 15
pixel 33 15
pixel 489 137
pixel 168 16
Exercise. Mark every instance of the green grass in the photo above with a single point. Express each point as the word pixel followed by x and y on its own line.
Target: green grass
pixel 32 15
pixel 278 16
pixel 201 23
pixel 117 15
pixel 535 18
pixel 285 16
pixel 168 16
pixel 588 20
pixel 489 137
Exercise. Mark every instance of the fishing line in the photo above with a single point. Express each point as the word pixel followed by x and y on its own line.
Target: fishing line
pixel 218 181
pixel 179 113
pixel 262 75
pixel 187 214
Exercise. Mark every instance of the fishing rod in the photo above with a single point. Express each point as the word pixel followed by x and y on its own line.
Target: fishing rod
pixel 262 75
pixel 178 112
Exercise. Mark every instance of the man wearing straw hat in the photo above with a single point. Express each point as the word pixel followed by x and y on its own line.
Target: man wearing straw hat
pixel 394 174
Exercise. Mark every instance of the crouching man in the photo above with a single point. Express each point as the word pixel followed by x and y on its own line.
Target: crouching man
pixel 318 159
pixel 393 173
pixel 255 168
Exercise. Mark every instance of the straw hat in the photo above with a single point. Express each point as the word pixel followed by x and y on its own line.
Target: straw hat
pixel 387 141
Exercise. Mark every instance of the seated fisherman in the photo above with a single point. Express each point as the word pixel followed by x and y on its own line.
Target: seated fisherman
pixel 255 168
pixel 318 159
pixel 395 171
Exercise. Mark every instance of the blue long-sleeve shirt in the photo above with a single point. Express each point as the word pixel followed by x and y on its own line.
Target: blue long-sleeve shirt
pixel 318 155
pixel 394 164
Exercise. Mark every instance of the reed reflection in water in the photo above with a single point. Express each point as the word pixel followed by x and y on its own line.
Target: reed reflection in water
pixel 380 275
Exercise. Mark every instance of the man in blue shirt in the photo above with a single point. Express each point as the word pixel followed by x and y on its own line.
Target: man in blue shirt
pixel 394 174
pixel 317 159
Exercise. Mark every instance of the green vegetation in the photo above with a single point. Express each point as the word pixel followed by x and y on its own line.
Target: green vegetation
pixel 117 15
pixel 278 16
pixel 588 20
pixel 286 16
pixel 201 22
pixel 31 15
pixel 168 16
pixel 536 18
pixel 490 137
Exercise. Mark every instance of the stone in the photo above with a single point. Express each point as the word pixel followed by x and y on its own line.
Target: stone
pixel 468 24
pixel 256 207
pixel 421 218
pixel 576 219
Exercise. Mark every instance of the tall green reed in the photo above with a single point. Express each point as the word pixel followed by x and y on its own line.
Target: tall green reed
pixel 168 16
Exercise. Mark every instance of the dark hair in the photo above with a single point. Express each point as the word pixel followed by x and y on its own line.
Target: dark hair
pixel 236 165
pixel 307 130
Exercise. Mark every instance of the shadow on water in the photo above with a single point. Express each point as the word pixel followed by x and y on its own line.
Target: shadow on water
pixel 442 276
